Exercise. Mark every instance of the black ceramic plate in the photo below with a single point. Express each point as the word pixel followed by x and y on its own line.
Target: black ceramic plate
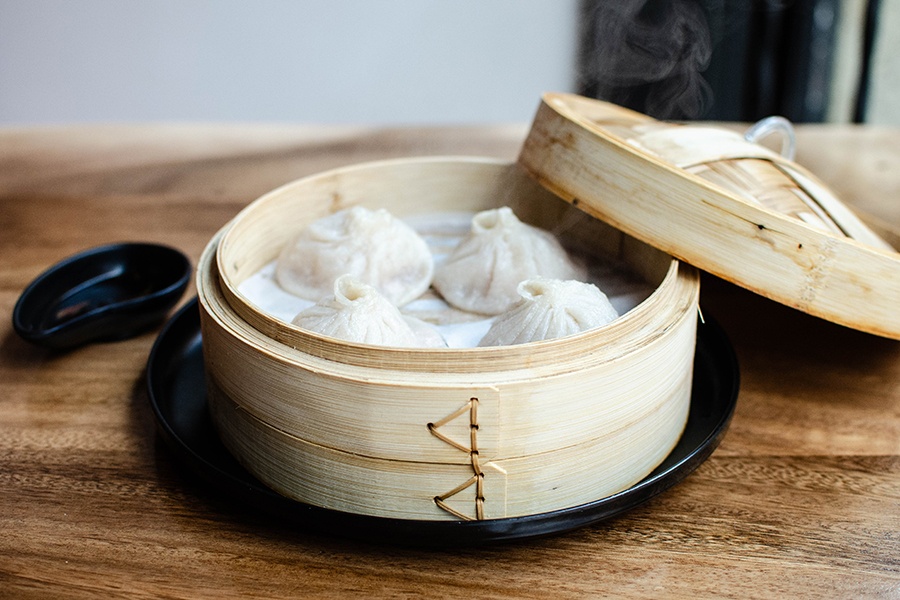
pixel 175 381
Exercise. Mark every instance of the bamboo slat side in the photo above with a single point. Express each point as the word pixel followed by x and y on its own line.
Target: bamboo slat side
pixel 534 484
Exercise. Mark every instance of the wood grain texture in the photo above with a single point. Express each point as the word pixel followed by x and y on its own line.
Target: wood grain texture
pixel 801 500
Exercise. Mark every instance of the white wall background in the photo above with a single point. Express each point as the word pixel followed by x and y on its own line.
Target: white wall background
pixel 327 61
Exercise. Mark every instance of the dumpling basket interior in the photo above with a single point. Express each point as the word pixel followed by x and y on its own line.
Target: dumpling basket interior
pixel 443 434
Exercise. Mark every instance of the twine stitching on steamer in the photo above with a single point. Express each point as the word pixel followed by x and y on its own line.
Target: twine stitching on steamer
pixel 477 477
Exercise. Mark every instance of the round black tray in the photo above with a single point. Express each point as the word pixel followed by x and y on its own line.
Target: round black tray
pixel 177 391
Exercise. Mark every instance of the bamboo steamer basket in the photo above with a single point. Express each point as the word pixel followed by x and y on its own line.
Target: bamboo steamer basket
pixel 720 203
pixel 443 434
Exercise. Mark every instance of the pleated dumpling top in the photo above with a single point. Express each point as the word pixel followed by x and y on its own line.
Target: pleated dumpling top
pixel 550 308
pixel 357 312
pixel 483 272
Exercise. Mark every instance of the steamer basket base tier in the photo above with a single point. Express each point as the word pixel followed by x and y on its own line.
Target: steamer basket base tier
pixel 444 433
pixel 177 392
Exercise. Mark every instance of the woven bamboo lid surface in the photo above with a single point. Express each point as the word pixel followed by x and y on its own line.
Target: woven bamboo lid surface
pixel 728 206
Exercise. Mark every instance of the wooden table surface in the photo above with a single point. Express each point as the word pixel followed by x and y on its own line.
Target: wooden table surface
pixel 802 499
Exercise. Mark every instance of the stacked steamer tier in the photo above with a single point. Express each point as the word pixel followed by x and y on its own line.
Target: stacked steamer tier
pixel 431 434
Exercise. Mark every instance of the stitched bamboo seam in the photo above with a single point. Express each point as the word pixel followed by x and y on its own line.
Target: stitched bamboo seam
pixel 477 478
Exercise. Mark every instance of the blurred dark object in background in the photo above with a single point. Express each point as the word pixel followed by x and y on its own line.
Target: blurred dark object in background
pixel 733 60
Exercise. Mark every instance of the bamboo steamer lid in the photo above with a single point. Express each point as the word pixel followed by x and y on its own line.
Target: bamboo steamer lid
pixel 727 206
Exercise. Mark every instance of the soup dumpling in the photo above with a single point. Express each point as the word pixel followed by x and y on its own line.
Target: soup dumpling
pixel 357 312
pixel 548 309
pixel 372 245
pixel 484 270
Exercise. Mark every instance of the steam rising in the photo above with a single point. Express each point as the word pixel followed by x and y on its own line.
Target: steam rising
pixel 649 55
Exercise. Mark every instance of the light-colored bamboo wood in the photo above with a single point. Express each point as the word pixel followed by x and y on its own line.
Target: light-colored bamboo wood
pixel 346 426
pixel 591 153
pixel 568 476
